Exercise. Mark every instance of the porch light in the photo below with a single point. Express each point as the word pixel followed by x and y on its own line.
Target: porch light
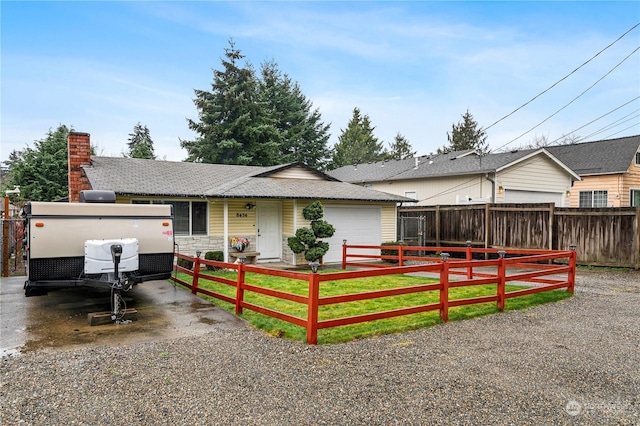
pixel 249 206
pixel 314 266
pixel 500 190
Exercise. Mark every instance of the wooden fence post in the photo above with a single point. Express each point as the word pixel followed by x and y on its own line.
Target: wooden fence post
pixel 312 309
pixel 196 275
pixel 344 254
pixel 469 258
pixel 401 255
pixel 444 289
pixel 572 264
pixel 502 279
pixel 240 288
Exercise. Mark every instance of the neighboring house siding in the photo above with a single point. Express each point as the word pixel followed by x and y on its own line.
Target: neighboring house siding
pixel 610 183
pixel 631 181
pixel 440 190
pixel 532 175
pixel 296 173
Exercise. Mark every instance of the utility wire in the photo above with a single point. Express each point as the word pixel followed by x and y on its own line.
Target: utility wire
pixel 594 120
pixel 562 79
pixel 573 100
pixel 620 131
pixel 609 127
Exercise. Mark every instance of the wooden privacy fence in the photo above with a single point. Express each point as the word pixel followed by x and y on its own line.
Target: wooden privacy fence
pixel 603 236
pixel 527 267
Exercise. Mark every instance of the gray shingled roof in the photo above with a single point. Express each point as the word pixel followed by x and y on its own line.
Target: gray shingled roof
pixel 599 157
pixel 132 176
pixel 455 163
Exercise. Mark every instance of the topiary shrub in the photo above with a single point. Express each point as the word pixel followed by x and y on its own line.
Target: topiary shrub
pixel 217 256
pixel 308 240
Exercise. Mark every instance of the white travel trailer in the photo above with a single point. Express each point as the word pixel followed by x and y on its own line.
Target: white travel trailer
pixel 96 243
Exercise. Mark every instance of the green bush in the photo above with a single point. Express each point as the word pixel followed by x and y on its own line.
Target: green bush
pixel 187 264
pixel 390 252
pixel 217 256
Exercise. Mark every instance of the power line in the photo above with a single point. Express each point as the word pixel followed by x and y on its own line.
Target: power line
pixel 596 119
pixel 573 100
pixel 562 79
pixel 610 126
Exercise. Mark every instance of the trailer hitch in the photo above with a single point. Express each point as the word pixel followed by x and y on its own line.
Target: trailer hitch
pixel 118 305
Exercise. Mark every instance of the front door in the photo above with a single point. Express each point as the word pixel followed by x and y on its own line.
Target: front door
pixel 269 242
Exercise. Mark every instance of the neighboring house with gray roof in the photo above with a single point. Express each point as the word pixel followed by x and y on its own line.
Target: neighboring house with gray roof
pixel 214 203
pixel 466 177
pixel 610 171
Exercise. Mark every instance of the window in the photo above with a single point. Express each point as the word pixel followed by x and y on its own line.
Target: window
pixel 635 198
pixel 189 217
pixel 637 158
pixel 411 194
pixel 594 198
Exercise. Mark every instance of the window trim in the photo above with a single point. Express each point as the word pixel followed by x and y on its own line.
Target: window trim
pixel 592 199
pixel 174 200
pixel 415 194
pixel 631 191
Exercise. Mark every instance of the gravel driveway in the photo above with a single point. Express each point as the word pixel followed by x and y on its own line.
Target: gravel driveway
pixel 572 362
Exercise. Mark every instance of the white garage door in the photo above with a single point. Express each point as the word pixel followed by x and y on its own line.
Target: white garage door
pixel 515 196
pixel 357 225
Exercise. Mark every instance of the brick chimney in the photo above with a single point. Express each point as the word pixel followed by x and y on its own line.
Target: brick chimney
pixel 79 146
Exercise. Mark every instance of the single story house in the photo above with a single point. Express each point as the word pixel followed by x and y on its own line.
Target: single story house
pixel 468 177
pixel 610 171
pixel 214 203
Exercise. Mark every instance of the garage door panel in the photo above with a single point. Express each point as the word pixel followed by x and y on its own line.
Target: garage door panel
pixel 357 225
pixel 518 196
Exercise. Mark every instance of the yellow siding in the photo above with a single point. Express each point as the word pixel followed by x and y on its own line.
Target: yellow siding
pixel 389 222
pixel 631 181
pixel 242 222
pixel 287 218
pixel 216 217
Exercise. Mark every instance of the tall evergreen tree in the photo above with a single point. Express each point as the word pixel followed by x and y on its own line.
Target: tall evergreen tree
pixel 400 148
pixel 466 135
pixel 233 127
pixel 303 136
pixel 41 171
pixel 357 144
pixel 140 144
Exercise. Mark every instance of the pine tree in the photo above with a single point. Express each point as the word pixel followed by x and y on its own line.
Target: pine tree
pixel 357 144
pixel 400 148
pixel 140 143
pixel 41 172
pixel 302 135
pixel 466 135
pixel 233 127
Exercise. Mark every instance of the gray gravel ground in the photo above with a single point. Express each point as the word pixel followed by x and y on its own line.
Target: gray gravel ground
pixel 572 362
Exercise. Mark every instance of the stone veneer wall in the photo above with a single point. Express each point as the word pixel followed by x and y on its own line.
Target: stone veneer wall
pixel 190 244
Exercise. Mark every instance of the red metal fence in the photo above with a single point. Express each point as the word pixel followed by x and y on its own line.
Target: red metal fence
pixel 534 267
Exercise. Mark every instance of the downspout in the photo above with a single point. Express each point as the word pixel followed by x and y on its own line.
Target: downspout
pixel 225 229
pixel 493 187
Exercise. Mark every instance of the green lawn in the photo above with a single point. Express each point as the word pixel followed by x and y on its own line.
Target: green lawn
pixel 368 329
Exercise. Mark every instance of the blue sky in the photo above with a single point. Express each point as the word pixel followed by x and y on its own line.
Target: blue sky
pixel 413 67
